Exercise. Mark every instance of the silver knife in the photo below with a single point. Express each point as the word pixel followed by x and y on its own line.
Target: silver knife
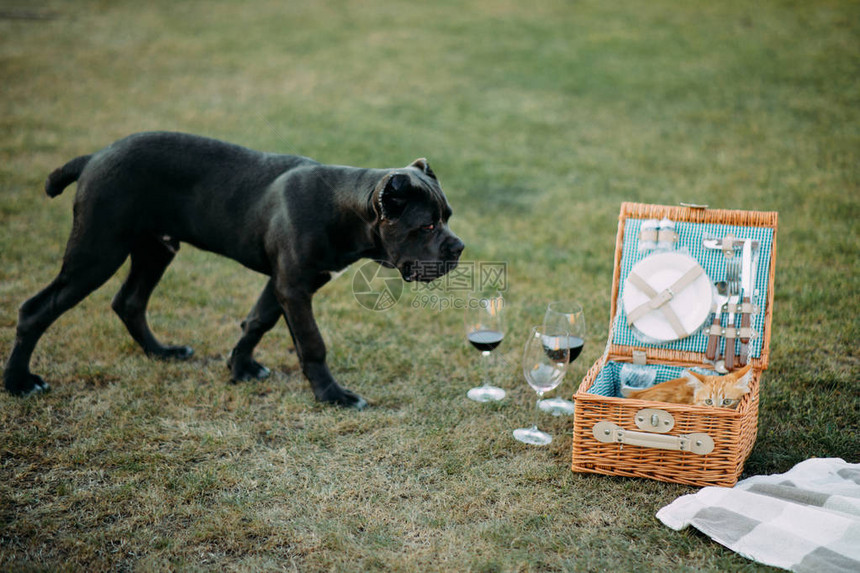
pixel 748 285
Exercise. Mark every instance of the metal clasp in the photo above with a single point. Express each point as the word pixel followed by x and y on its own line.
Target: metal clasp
pixel 654 420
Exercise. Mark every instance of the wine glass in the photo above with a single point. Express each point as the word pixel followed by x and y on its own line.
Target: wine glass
pixel 565 315
pixel 545 359
pixel 485 330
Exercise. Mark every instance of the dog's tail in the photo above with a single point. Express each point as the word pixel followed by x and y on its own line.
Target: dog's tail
pixel 62 177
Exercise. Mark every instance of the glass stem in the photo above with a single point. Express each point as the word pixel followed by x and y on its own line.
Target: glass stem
pixel 485 358
pixel 537 409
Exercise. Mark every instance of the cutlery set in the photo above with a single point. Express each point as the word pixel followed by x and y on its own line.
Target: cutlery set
pixel 735 299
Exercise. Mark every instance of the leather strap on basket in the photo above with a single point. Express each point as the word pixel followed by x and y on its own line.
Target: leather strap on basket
pixel 729 242
pixel 659 300
pixel 648 235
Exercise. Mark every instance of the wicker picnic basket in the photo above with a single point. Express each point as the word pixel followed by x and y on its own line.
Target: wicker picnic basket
pixel 679 443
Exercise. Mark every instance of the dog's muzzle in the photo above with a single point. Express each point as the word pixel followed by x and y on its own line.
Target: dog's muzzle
pixel 426 271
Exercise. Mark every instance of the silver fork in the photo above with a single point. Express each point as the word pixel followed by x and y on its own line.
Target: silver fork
pixel 733 278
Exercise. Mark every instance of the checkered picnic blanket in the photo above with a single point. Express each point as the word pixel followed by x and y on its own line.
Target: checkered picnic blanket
pixel 805 520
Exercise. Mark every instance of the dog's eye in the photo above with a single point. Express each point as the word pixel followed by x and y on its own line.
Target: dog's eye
pixel 429 227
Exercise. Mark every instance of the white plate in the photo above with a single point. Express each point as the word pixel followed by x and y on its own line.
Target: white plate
pixel 692 305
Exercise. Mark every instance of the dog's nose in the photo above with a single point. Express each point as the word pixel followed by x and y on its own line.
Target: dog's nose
pixel 456 248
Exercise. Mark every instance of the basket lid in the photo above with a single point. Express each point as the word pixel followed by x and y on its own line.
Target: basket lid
pixel 669 343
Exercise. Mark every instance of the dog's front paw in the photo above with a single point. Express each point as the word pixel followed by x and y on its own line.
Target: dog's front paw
pixel 25 385
pixel 342 397
pixel 171 352
pixel 242 369
pixel 360 403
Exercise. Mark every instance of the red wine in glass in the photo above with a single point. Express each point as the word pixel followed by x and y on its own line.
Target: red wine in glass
pixel 485 330
pixel 485 340
pixel 575 344
pixel 571 344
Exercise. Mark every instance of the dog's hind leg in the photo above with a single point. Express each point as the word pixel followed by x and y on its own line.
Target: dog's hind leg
pixel 149 259
pixel 83 271
pixel 262 318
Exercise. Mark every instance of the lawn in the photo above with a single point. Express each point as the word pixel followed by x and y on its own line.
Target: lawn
pixel 539 119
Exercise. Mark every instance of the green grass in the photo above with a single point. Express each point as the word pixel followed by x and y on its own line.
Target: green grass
pixel 540 119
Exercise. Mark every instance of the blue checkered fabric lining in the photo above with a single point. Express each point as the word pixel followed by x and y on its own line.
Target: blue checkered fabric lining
pixel 608 381
pixel 690 236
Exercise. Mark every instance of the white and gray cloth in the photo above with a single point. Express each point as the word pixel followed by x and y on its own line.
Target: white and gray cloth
pixel 805 520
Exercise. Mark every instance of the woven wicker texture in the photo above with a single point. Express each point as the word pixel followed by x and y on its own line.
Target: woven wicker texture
pixel 733 431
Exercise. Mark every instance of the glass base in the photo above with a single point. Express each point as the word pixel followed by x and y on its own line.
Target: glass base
pixel 486 393
pixel 532 436
pixel 557 406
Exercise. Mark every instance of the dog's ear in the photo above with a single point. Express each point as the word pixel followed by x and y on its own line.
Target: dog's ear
pixel 422 165
pixel 393 196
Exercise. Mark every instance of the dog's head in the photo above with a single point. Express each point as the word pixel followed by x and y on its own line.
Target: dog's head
pixel 412 220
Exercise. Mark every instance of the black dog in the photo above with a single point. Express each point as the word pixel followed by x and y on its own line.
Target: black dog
pixel 285 216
